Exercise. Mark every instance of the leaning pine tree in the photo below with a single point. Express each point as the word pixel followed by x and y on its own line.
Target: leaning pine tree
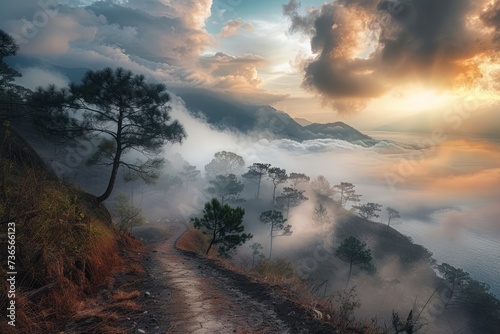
pixel 224 225
pixel 118 109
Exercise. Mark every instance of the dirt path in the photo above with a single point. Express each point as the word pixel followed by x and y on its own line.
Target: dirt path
pixel 191 295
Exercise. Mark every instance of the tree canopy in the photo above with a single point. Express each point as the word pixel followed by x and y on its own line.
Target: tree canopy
pixel 276 221
pixel 355 252
pixel 224 224
pixel 121 111
pixel 368 211
pixel 391 214
pixel 322 187
pixel 189 173
pixel 298 178
pixel 227 188
pixel 277 176
pixel 255 173
pixel 290 197
pixel 9 90
pixel 347 193
pixel 224 163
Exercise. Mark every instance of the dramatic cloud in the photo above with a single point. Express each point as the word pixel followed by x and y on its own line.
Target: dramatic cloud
pixel 166 40
pixel 235 75
pixel 232 27
pixel 364 48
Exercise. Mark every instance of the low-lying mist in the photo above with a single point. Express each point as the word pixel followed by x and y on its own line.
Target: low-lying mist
pixel 446 193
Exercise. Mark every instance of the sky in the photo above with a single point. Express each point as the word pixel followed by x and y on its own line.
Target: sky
pixel 427 65
pixel 365 62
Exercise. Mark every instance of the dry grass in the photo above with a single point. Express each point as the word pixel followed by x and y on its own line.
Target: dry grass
pixel 122 295
pixel 67 245
pixel 195 241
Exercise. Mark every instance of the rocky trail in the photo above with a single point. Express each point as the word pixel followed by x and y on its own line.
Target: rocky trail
pixel 184 293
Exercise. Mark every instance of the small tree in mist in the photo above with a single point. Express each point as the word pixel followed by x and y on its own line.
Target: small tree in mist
pixel 322 187
pixel 368 211
pixel 455 277
pixel 125 214
pixel 347 302
pixel 255 173
pixel 120 110
pixel 321 214
pixel 277 176
pixel 189 173
pixel 297 178
pixel 224 224
pixel 290 197
pixel 227 188
pixel 354 252
pixel 224 163
pixel 347 193
pixel 391 214
pixel 275 219
pixel 167 182
pixel 256 252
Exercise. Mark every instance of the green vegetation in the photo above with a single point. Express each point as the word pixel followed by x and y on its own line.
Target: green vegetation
pixel 125 214
pixel 224 224
pixel 119 109
pixel 8 89
pixel 224 163
pixel 354 252
pixel 255 173
pixel 66 245
pixel 275 219
pixel 227 188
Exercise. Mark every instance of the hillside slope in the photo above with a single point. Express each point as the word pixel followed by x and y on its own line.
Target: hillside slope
pixel 65 246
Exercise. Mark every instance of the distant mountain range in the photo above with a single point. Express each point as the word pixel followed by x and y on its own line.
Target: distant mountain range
pixel 224 113
pixel 303 121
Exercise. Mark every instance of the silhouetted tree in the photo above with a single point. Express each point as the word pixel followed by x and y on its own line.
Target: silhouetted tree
pixel 298 178
pixel 166 182
pixel 290 197
pixel 355 252
pixel 321 214
pixel 225 226
pixel 455 277
pixel 275 219
pixel 227 188
pixel 224 163
pixel 347 193
pixel 276 176
pixel 118 108
pixel 255 173
pixel 256 251
pixel 189 173
pixel 391 214
pixel 322 187
pixel 9 90
pixel 368 211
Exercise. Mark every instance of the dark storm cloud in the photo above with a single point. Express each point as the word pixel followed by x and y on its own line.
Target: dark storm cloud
pixel 364 47
pixel 491 17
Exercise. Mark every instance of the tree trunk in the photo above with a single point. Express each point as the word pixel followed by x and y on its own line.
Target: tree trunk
pixel 116 160
pixel 349 277
pixel 287 208
pixel 274 194
pixel 258 186
pixel 271 246
pixel 211 242
pixel 112 179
